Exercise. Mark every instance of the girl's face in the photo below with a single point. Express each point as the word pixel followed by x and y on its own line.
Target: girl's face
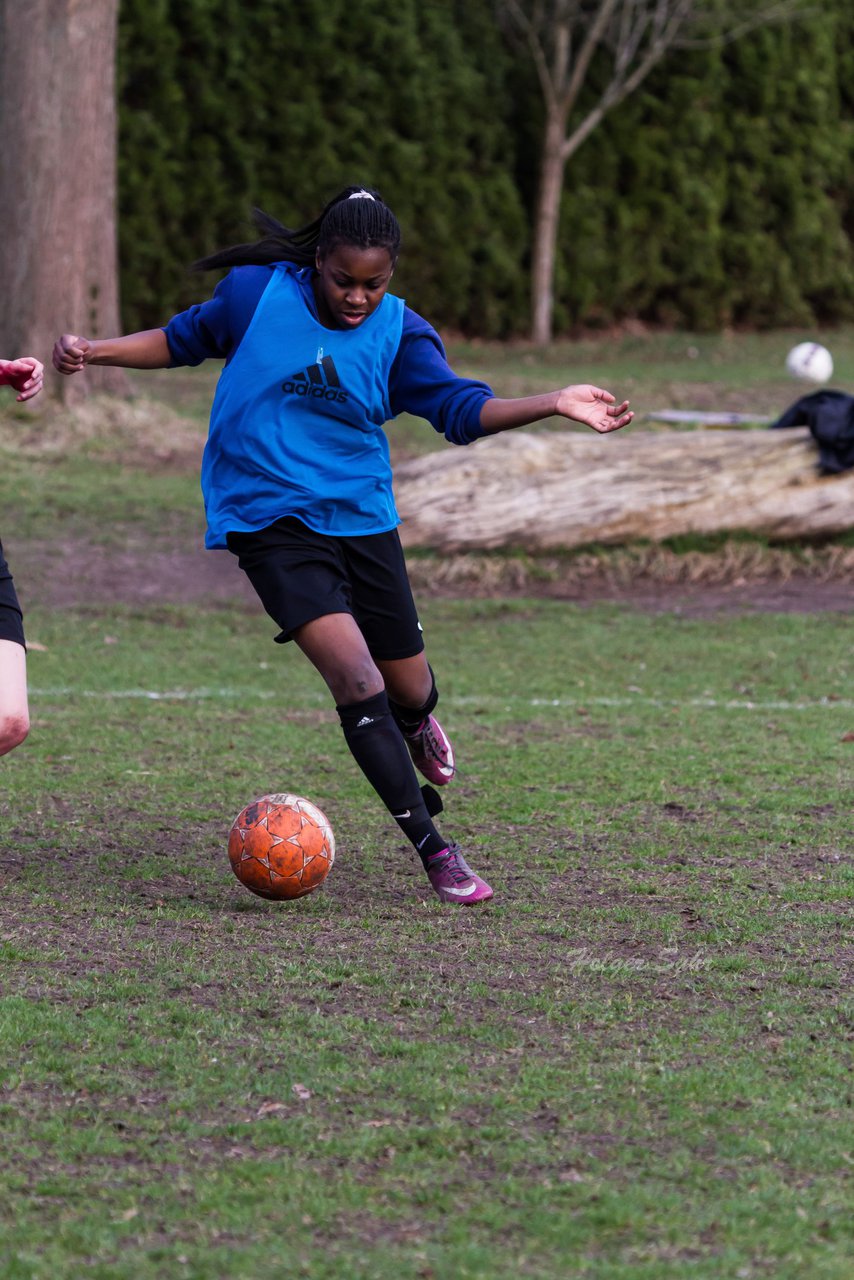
pixel 350 284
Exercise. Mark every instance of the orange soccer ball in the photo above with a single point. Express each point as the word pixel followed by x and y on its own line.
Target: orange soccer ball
pixel 281 846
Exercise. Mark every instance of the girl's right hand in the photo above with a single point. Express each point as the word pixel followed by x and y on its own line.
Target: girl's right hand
pixel 71 353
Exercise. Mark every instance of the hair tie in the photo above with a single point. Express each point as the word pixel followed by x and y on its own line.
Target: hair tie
pixel 362 195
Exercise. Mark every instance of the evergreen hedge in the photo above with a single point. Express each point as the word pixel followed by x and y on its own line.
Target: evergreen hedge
pixel 720 194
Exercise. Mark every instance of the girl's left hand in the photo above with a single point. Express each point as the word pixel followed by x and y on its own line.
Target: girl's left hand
pixel 594 408
pixel 26 375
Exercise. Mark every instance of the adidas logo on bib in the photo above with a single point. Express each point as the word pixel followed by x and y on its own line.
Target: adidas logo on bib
pixel 319 381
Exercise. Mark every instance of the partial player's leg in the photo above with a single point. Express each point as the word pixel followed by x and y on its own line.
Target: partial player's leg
pixel 412 698
pixel 335 646
pixel 305 584
pixel 407 679
pixel 14 711
pixel 386 614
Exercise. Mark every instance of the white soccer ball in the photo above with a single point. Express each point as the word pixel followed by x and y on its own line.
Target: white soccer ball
pixel 810 362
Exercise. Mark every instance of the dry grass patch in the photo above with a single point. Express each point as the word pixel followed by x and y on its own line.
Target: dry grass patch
pixel 624 567
pixel 140 430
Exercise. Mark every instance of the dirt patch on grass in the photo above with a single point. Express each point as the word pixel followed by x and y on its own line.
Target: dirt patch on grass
pixel 733 579
pixel 588 917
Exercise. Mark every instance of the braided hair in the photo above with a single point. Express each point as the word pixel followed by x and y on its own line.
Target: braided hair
pixel 356 216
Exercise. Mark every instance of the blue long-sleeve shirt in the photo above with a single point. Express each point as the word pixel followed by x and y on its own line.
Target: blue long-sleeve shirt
pixel 296 424
pixel 421 381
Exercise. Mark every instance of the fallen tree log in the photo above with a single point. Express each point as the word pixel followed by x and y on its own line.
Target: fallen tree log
pixel 562 489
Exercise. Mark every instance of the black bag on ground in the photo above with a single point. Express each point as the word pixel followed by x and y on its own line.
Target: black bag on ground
pixel 830 417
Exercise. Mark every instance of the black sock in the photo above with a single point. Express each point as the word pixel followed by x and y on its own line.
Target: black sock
pixel 411 719
pixel 377 746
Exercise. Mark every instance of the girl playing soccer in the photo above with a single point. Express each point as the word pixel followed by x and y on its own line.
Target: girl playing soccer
pixel 25 375
pixel 297 482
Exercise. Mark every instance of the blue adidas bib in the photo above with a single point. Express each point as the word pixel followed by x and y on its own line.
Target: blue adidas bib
pixel 296 423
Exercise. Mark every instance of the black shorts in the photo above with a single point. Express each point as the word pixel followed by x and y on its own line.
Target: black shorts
pixel 11 619
pixel 301 575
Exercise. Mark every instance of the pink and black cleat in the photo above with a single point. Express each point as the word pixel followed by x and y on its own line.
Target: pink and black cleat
pixel 432 753
pixel 453 879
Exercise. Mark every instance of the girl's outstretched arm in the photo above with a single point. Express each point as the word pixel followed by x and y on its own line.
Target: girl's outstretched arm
pixel 145 350
pixel 586 404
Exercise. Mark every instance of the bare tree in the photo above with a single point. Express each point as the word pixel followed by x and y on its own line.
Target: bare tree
pixel 58 255
pixel 563 37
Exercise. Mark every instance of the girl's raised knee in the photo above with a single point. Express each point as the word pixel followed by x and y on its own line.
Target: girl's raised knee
pixel 13 731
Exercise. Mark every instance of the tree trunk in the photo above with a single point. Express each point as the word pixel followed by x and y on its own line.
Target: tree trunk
pixel 561 489
pixel 58 252
pixel 546 225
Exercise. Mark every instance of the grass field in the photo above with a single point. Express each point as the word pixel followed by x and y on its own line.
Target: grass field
pixel 635 1063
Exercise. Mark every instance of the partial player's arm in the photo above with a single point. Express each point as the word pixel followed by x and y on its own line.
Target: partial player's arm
pixel 145 350
pixel 206 330
pixel 26 375
pixel 584 403
pixel 463 409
